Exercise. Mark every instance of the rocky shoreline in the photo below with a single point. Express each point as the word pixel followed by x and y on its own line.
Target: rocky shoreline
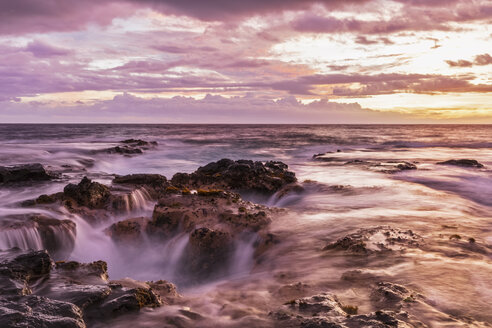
pixel 44 288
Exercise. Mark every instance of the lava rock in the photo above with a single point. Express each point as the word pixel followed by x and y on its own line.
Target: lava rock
pixel 36 311
pixel 265 177
pixel 87 193
pixel 462 163
pixel 142 180
pixel 208 253
pixel 24 172
pixel 388 295
pixel 131 147
pixel 128 232
pixel 377 240
pixel 24 265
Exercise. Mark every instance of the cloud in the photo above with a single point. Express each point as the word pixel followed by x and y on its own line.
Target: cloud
pixel 484 59
pixel 210 109
pixel 42 49
pixel 413 16
pixel 39 16
pixel 352 85
pixel 480 60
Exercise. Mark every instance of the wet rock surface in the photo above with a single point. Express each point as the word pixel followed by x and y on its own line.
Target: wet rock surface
pixel 130 147
pixel 384 166
pixel 265 177
pixel 207 253
pixel 88 193
pixel 68 294
pixel 463 163
pixel 377 240
pixel 24 173
pixel 325 310
pixel 36 311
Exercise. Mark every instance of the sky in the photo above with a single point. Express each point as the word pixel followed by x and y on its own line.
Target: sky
pixel 255 61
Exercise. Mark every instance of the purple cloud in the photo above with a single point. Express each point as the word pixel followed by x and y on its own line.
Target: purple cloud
pixel 42 49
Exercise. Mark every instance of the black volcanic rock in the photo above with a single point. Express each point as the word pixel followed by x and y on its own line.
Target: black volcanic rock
pixel 36 311
pixel 88 193
pixel 208 253
pixel 131 147
pixel 35 293
pixel 376 240
pixel 265 177
pixel 142 179
pixel 462 163
pixel 24 172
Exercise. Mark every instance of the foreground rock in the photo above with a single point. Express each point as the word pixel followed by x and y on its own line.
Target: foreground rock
pixel 377 240
pixel 24 173
pixel 395 305
pixel 242 175
pixel 37 293
pixel 36 311
pixel 325 310
pixel 463 163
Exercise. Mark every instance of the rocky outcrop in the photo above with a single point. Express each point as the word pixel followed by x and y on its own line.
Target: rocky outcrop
pixel 246 175
pixel 88 193
pixel 131 147
pixel 36 311
pixel 385 166
pixel 36 293
pixel 154 184
pixel 24 173
pixel 130 232
pixel 377 240
pixel 154 180
pixel 214 221
pixel 463 163
pixel 208 253
pixel 325 310
pixel 212 209
pixel 387 295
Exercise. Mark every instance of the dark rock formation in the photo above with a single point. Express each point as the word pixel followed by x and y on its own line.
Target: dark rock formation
pixel 325 310
pixel 155 184
pixel 462 163
pixel 238 175
pixel 225 210
pixel 128 232
pixel 131 147
pixel 377 240
pixel 387 166
pixel 208 253
pixel 154 180
pixel 36 311
pixel 24 172
pixel 37 294
pixel 87 193
pixel 388 295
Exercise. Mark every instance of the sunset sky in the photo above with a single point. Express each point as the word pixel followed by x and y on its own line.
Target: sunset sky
pixel 254 61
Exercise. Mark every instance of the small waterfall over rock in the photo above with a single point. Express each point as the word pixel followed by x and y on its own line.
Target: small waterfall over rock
pixel 22 237
pixel 137 200
pixel 38 232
